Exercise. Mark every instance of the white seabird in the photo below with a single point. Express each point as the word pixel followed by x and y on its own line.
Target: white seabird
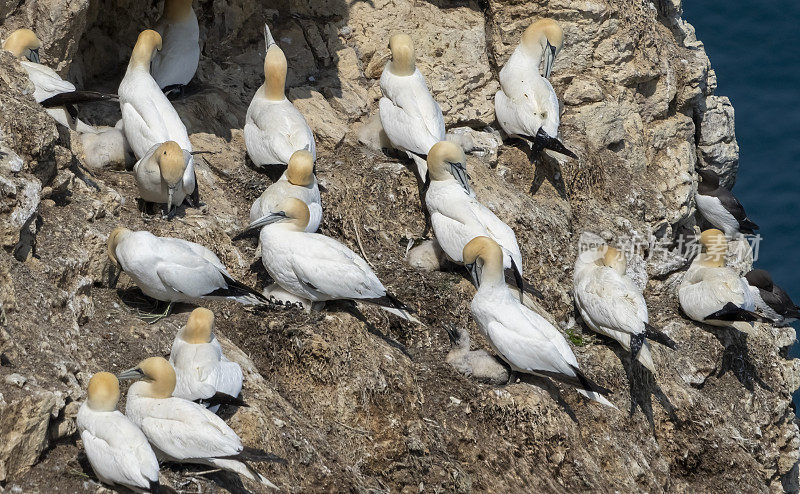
pixel 297 181
pixel 117 450
pixel 274 129
pixel 771 299
pixel 478 364
pixel 203 373
pixel 410 116
pixel 526 341
pixel 526 104
pixel 720 207
pixel 165 175
pixel 612 305
pixel 183 431
pixel 175 64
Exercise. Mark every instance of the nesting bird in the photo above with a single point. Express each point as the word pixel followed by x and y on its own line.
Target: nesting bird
pixel 165 175
pixel 771 299
pixel 720 207
pixel 117 450
pixel 612 305
pixel 526 341
pixel 297 181
pixel 478 364
pixel 526 104
pixel 274 129
pixel 410 116
pixel 175 64
pixel 183 431
pixel 202 371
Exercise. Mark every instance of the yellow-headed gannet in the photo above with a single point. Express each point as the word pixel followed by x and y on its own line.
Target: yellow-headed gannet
pixel 771 299
pixel 612 304
pixel 410 116
pixel 274 129
pixel 478 364
pixel 175 64
pixel 720 207
pixel 165 175
pixel 117 450
pixel 181 430
pixel 526 341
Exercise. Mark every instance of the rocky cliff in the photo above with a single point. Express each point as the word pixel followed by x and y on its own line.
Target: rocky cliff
pixel 368 403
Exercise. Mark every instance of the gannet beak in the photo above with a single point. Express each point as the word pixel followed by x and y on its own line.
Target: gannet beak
pixel 261 223
pixel 452 333
pixel 113 276
pixel 268 39
pixel 549 58
pixel 134 373
pixel 459 171
pixel 169 199
pixel 34 56
pixel 474 273
pixel 426 185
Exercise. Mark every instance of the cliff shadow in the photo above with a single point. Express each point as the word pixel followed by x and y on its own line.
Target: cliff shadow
pixel 736 357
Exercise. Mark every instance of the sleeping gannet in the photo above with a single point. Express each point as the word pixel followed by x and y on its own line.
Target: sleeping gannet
pixel 410 116
pixel 473 363
pixel 771 299
pixel 612 305
pixel 117 450
pixel 713 293
pixel 183 431
pixel 175 64
pixel 526 104
pixel 297 181
pixel 274 129
pixel 165 175
pixel 203 373
pixel 720 207
pixel 521 337
pixel 175 270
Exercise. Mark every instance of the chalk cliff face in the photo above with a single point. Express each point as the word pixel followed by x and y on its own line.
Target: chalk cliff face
pixel 372 405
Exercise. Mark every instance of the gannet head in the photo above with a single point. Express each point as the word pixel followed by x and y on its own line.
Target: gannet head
pixel 760 279
pixel 459 337
pixel 199 328
pixel 710 179
pixel 546 37
pixel 148 42
pixel 177 10
pixel 483 258
pixel 114 238
pixel 23 43
pixel 301 168
pixel 446 161
pixel 156 372
pixel 275 73
pixel 172 165
pixel 103 392
pixel 715 246
pixel 403 60
pixel 614 259
pixel 291 211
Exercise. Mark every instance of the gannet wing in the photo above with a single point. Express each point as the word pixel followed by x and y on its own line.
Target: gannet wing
pixel 405 130
pixel 128 466
pixel 529 351
pixel 46 81
pixel 612 303
pixel 498 231
pixel 228 378
pixel 194 280
pixel 142 133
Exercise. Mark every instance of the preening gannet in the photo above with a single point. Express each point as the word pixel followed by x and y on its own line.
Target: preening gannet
pixel 181 430
pixel 410 116
pixel 274 129
pixel 720 207
pixel 713 293
pixel 165 175
pixel 611 304
pixel 526 104
pixel 297 181
pixel 203 373
pixel 771 299
pixel 478 364
pixel 117 450
pixel 176 63
pixel 521 337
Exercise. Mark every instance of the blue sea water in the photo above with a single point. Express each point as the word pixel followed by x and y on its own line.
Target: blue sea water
pixel 753 48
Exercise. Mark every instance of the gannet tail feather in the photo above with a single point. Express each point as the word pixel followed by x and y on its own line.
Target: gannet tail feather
pixel 543 141
pixel 74 97
pixel 220 398
pixel 658 336
pixel 511 278
pixel 255 454
pixel 155 486
pixel 242 469
pixel 747 226
pixel 240 292
pixel 732 312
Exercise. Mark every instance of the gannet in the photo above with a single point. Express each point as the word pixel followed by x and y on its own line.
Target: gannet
pixel 175 64
pixel 203 373
pixel 183 431
pixel 521 337
pixel 526 104
pixel 148 116
pixel 612 305
pixel 715 294
pixel 297 181
pixel 165 175
pixel 318 268
pixel 473 363
pixel 410 116
pixel 771 299
pixel 175 270
pixel 117 450
pixel 719 206
pixel 274 129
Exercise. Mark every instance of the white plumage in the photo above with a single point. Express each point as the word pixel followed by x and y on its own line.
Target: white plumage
pixel 705 290
pixel 151 185
pixel 282 189
pixel 176 63
pixel 526 102
pixel 274 130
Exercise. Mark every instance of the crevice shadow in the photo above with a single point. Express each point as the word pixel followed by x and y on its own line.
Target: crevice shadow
pixel 736 357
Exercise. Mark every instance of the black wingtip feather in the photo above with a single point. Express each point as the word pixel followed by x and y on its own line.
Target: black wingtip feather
pixel 155 486
pixel 655 334
pixel 74 97
pixel 543 141
pixel 732 312
pixel 222 399
pixel 588 384
pixel 237 289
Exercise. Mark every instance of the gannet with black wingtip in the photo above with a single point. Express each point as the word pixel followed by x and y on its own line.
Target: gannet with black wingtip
pixel 410 116
pixel 526 341
pixel 526 104
pixel 176 63
pixel 117 450
pixel 611 304
pixel 274 129
pixel 203 373
pixel 297 181
pixel 175 270
pixel 183 431
pixel 713 293
pixel 478 364
pixel 771 299
pixel 165 175
pixel 318 268
pixel 720 207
